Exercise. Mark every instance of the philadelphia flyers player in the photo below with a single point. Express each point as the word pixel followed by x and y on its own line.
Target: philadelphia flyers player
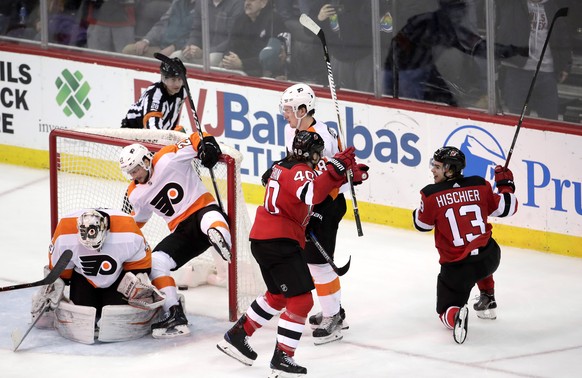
pixel 160 104
pixel 167 184
pixel 298 107
pixel 277 240
pixel 457 207
pixel 108 250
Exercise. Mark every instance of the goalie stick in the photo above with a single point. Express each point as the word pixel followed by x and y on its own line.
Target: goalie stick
pixel 562 12
pixel 18 337
pixel 50 278
pixel 177 68
pixel 340 271
pixel 308 23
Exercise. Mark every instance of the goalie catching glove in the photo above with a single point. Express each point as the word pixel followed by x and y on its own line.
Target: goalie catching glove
pixel 140 292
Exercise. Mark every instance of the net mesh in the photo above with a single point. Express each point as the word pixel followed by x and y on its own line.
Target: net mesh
pixel 86 172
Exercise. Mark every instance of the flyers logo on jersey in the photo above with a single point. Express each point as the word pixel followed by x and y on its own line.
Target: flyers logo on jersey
pixel 170 194
pixel 98 264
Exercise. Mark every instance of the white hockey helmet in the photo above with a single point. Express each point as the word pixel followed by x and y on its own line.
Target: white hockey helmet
pixel 297 95
pixel 133 156
pixel 92 228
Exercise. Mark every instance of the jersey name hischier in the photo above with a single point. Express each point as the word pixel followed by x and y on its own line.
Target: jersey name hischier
pixel 457 197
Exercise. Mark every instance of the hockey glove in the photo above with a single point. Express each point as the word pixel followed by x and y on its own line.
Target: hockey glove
pixel 209 151
pixel 140 292
pixel 504 180
pixel 341 162
pixel 314 223
pixel 360 172
pixel 52 294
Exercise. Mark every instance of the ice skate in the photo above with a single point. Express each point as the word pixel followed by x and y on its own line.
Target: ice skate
pixel 461 323
pixel 173 324
pixel 315 320
pixel 235 344
pixel 485 306
pixel 284 366
pixel 216 239
pixel 329 330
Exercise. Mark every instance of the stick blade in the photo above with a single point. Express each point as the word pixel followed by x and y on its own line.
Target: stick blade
pixel 306 21
pixel 161 57
pixel 344 269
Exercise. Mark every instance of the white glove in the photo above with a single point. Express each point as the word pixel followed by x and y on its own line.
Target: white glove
pixel 52 294
pixel 140 292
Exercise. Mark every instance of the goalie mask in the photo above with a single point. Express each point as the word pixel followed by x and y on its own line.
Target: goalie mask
pixel 134 156
pixel 92 228
pixel 297 95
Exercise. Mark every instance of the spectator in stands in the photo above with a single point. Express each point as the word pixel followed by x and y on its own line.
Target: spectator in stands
pixel 347 29
pixel 65 24
pixel 258 28
pixel 16 20
pixel 221 16
pixel 147 13
pixel 111 24
pixel 526 23
pixel 417 46
pixel 168 34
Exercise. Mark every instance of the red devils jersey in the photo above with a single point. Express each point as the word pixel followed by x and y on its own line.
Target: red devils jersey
pixel 290 192
pixel 457 210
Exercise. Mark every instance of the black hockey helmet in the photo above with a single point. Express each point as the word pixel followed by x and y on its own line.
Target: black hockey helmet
pixel 306 144
pixel 168 70
pixel 452 158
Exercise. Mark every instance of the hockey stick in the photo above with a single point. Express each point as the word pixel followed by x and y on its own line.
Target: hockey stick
pixel 182 72
pixel 562 12
pixel 308 23
pixel 50 278
pixel 18 337
pixel 340 271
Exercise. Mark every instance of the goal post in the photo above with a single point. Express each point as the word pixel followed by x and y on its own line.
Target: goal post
pixel 85 173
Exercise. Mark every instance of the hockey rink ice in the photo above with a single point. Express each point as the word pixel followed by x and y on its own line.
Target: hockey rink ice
pixel 388 294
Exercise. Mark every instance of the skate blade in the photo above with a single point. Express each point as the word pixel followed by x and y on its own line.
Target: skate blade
pixel 228 349
pixel 335 336
pixel 487 314
pixel 163 333
pixel 219 244
pixel 460 329
pixel 345 325
pixel 282 374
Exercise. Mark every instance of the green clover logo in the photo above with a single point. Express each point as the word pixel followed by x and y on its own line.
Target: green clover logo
pixel 73 93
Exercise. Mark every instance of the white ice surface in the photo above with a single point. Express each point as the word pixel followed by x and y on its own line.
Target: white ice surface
pixel 388 294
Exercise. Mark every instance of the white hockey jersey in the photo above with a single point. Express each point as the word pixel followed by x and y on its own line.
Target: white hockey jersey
pixel 332 146
pixel 124 248
pixel 174 190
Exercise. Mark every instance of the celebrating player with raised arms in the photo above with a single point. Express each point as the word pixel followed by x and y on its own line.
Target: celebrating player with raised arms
pixel 457 207
pixel 277 240
pixel 166 184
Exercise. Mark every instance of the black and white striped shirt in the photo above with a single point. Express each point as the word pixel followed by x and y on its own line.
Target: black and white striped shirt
pixel 155 109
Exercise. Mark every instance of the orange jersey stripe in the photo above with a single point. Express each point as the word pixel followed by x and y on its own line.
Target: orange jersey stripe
pixel 328 288
pixel 147 117
pixel 164 281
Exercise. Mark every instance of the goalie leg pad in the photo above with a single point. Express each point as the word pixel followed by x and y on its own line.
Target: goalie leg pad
pixel 124 323
pixel 76 323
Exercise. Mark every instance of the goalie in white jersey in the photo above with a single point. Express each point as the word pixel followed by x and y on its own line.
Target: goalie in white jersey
pixel 109 266
pixel 168 185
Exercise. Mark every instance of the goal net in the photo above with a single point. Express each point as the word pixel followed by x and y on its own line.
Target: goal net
pixel 84 173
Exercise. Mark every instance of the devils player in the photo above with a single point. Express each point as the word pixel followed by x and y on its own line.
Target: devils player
pixel 277 239
pixel 457 207
pixel 298 107
pixel 166 184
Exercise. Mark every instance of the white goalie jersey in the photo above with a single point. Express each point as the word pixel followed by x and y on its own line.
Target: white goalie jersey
pixel 124 248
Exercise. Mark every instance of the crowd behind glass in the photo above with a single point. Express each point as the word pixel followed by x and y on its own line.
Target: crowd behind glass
pixel 435 51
